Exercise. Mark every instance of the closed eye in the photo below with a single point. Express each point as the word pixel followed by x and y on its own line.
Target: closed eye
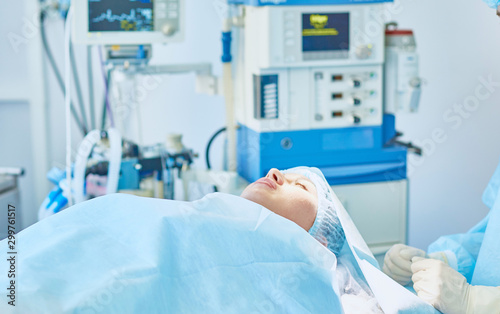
pixel 301 185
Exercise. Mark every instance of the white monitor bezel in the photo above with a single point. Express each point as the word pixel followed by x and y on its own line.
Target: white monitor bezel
pixel 81 35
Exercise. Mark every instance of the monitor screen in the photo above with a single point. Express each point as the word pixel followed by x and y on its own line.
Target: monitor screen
pixel 325 32
pixel 120 15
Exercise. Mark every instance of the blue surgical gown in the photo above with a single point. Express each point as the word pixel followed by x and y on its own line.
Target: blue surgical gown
pixel 492 3
pixel 477 252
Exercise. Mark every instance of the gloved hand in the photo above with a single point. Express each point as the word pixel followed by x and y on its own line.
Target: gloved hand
pixel 440 285
pixel 448 291
pixel 397 262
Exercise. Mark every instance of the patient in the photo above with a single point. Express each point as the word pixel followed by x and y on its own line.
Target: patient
pixel 301 195
pixel 126 254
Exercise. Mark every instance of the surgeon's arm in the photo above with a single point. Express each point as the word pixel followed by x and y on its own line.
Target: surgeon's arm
pixel 492 3
pixel 484 300
pixel 459 251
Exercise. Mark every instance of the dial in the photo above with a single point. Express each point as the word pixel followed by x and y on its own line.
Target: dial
pixel 168 29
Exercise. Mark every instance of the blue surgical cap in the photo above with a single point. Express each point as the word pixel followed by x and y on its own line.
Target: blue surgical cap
pixel 326 228
pixel 492 3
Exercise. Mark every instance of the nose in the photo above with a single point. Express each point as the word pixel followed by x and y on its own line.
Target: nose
pixel 275 175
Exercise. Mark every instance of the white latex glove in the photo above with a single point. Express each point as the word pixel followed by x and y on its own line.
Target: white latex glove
pixel 397 262
pixel 440 285
pixel 448 291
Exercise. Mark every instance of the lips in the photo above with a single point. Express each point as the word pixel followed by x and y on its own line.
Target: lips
pixel 266 181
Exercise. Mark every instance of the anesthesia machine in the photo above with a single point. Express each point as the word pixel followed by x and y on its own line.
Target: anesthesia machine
pixel 317 83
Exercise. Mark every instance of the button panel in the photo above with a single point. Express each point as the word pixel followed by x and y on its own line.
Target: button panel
pixel 346 97
pixel 167 16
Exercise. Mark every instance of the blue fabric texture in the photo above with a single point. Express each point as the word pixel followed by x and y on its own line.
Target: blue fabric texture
pixel 491 192
pixel 126 254
pixel 487 271
pixel 492 3
pixel 326 228
pixel 465 247
pixel 221 254
pixel 478 250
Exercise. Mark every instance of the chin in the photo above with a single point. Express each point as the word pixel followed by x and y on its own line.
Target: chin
pixel 257 194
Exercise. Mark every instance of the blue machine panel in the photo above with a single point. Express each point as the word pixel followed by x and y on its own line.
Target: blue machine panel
pixel 346 156
pixel 129 175
pixel 304 2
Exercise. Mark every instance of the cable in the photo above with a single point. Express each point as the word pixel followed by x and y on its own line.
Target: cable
pixel 104 107
pixel 227 79
pixel 57 73
pixel 67 99
pixel 76 78
pixel 106 88
pixel 207 150
pixel 103 120
pixel 90 77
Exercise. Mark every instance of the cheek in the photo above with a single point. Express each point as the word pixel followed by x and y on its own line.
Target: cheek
pixel 299 207
pixel 295 205
pixel 305 210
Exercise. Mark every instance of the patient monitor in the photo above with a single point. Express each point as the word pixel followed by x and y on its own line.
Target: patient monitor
pixel 128 21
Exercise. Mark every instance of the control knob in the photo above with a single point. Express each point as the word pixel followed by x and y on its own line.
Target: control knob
pixel 355 101
pixel 168 29
pixel 356 83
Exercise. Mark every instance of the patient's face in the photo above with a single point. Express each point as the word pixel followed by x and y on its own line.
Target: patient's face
pixel 292 196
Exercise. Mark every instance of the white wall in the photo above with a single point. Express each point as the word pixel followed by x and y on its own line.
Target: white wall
pixel 15 129
pixel 458 43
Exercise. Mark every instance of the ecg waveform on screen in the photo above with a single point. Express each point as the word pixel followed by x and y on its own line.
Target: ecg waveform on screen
pixel 139 19
pixel 110 17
